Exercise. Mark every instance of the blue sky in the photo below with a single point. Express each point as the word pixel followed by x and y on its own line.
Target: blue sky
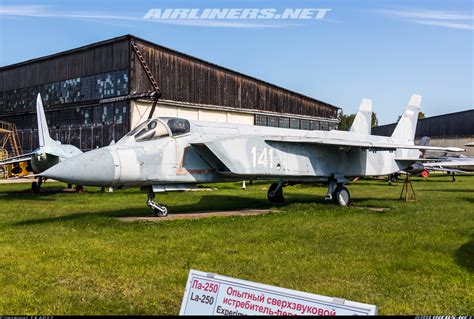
pixel 384 50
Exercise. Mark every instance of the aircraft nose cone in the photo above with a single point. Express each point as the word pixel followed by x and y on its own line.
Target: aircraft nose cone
pixel 93 168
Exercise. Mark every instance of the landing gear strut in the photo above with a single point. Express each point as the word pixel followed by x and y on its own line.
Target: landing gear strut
pixel 159 209
pixel 275 193
pixel 338 193
pixel 36 186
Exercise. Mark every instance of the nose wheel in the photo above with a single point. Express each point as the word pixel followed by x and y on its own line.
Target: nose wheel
pixel 159 210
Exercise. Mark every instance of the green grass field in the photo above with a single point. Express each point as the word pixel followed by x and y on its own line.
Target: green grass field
pixel 66 253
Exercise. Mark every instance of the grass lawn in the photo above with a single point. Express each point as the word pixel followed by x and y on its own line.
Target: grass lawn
pixel 66 253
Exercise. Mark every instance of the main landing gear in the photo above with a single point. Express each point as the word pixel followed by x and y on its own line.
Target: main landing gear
pixel 160 210
pixel 338 193
pixel 36 186
pixel 275 193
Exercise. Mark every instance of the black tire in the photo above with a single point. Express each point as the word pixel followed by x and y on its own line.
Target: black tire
pixel 277 197
pixel 342 196
pixel 159 213
pixel 34 187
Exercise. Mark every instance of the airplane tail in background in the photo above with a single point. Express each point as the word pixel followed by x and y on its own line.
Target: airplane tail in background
pixel 363 120
pixel 404 133
pixel 43 132
pixel 425 141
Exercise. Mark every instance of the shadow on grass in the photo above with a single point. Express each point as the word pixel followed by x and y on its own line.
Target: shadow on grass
pixel 450 190
pixel 27 194
pixel 469 199
pixel 205 204
pixel 464 256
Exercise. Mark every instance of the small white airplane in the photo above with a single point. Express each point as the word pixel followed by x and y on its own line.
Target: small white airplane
pixel 49 152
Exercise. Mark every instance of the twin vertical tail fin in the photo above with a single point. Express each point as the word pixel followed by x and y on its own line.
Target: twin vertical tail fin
pixel 363 120
pixel 43 132
pixel 404 133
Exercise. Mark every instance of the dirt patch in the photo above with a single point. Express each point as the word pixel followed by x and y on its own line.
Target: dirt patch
pixel 197 215
pixel 375 209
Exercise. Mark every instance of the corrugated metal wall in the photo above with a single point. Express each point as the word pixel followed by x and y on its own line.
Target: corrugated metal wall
pixel 187 79
pixel 71 84
pixel 447 125
pixel 75 83
pixel 88 60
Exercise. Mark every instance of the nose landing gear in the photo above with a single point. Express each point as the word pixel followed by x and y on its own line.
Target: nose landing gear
pixel 160 210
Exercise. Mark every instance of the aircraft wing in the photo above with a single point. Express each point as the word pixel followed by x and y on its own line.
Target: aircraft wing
pixel 457 166
pixel 445 169
pixel 361 144
pixel 17 159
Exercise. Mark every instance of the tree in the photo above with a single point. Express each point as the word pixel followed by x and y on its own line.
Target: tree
pixel 375 120
pixel 346 121
pixel 421 115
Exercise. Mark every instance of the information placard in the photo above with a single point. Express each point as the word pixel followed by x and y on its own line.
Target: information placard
pixel 211 294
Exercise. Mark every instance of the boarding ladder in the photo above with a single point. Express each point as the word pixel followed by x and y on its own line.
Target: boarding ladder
pixel 157 92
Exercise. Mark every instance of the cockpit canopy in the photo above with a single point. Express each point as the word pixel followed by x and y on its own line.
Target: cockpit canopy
pixel 161 127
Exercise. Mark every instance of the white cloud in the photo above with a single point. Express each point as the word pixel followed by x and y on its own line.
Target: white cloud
pixel 451 25
pixel 45 12
pixel 446 19
pixel 429 14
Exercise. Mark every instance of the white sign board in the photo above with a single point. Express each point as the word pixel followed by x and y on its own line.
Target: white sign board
pixel 211 294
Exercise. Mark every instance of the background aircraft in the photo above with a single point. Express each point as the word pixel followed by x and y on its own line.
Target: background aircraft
pixel 171 154
pixel 49 152
pixel 450 164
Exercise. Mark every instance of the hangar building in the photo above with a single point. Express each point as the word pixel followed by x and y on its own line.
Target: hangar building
pixel 453 129
pixel 96 93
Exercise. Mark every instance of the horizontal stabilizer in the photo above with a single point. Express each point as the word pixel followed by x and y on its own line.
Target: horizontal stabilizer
pixel 17 159
pixel 445 169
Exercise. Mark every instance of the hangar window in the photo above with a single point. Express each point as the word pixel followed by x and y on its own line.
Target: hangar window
pixel 272 121
pixel 295 124
pixel 149 130
pixel 305 125
pixel 284 122
pixel 314 125
pixel 260 120
pixel 323 126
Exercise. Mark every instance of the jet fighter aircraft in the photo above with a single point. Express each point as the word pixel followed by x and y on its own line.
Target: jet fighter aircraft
pixel 171 154
pixel 49 152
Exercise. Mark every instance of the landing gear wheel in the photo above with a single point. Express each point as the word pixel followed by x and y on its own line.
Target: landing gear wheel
pixel 275 194
pixel 34 187
pixel 161 212
pixel 342 196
